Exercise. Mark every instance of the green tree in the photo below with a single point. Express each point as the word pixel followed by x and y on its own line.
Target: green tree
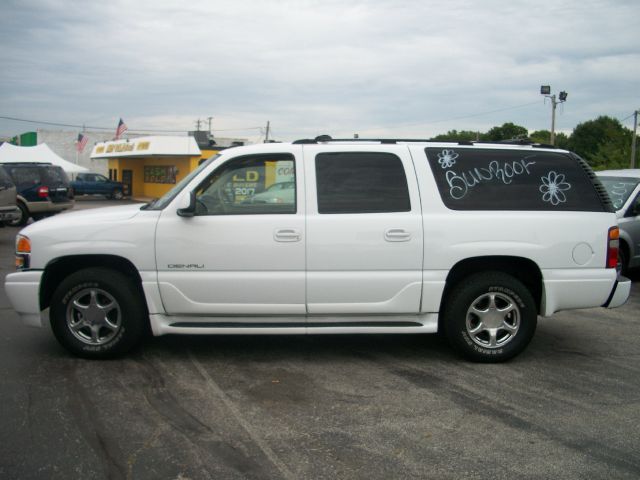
pixel 603 142
pixel 544 136
pixel 508 131
pixel 457 136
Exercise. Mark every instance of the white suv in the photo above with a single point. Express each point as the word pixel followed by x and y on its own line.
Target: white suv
pixel 381 236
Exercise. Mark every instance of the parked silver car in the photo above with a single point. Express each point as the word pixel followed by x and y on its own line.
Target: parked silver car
pixel 623 187
pixel 9 211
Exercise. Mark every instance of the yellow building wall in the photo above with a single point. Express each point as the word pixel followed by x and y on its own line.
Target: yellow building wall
pixel 139 187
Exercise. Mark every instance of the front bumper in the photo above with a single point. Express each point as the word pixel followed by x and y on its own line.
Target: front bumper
pixel 619 293
pixel 10 214
pixel 23 291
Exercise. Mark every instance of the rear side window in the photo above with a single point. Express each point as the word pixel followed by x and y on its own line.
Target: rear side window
pixel 475 179
pixel 361 182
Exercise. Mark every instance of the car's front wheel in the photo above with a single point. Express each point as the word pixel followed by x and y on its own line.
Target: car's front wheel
pixel 117 194
pixel 97 313
pixel 490 317
pixel 23 218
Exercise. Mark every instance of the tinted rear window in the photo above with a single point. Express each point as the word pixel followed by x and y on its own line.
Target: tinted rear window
pixel 484 179
pixel 54 175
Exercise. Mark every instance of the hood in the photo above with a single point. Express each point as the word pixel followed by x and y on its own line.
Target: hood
pixel 92 216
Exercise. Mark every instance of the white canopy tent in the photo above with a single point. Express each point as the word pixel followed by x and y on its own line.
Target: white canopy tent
pixel 39 154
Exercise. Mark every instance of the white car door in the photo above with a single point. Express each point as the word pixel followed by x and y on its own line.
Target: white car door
pixel 364 230
pixel 235 255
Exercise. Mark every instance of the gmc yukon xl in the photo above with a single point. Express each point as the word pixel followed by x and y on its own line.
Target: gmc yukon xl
pixel 378 236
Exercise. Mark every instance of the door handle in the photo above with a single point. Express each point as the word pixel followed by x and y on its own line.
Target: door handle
pixel 397 235
pixel 287 235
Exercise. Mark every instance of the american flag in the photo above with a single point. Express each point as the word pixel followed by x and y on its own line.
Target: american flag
pixel 81 142
pixel 122 127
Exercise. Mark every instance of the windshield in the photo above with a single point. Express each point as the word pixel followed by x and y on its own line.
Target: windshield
pixel 166 199
pixel 619 189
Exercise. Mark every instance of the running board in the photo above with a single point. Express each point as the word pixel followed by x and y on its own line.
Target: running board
pixel 166 324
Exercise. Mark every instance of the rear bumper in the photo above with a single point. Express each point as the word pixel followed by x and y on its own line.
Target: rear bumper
pixel 49 207
pixel 568 289
pixel 619 293
pixel 23 292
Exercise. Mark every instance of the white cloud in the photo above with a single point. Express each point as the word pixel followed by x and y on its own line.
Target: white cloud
pixel 403 67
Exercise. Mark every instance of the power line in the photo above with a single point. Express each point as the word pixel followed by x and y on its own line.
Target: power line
pixel 467 116
pixel 138 130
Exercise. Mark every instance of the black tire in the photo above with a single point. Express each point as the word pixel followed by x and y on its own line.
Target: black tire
pixel 97 313
pixel 508 326
pixel 24 216
pixel 117 194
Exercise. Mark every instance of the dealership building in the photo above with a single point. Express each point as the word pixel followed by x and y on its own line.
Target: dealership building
pixel 150 166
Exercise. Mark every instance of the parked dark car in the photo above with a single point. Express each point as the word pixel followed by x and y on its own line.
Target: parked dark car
pixel 9 211
pixel 43 190
pixel 96 184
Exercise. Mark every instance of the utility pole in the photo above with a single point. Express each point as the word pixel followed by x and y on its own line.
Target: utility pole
pixel 266 136
pixel 562 97
pixel 198 122
pixel 209 119
pixel 633 141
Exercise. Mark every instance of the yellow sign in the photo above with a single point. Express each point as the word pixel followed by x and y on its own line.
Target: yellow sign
pixel 123 147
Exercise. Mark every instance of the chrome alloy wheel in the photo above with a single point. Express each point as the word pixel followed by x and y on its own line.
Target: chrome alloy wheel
pixel 492 320
pixel 93 316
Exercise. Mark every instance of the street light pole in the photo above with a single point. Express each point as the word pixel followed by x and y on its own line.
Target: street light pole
pixel 633 141
pixel 562 97
pixel 552 137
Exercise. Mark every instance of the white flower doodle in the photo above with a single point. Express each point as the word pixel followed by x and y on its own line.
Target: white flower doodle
pixel 553 188
pixel 447 158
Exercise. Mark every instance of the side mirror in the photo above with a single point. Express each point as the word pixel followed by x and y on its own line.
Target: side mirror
pixel 187 205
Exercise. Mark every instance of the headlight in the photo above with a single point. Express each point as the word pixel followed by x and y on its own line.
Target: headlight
pixel 23 252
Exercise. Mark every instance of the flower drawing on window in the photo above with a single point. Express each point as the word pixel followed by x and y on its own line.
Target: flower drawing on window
pixel 447 158
pixel 553 188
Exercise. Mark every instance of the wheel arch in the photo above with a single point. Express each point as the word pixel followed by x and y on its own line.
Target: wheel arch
pixel 524 269
pixel 62 267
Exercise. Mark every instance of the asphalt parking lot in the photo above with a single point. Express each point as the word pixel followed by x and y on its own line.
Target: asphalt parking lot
pixel 315 407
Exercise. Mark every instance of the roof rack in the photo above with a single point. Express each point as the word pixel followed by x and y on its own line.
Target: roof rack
pixel 327 138
pixel 391 141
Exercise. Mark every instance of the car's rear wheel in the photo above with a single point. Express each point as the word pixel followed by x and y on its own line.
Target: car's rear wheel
pixel 24 216
pixel 97 313
pixel 490 317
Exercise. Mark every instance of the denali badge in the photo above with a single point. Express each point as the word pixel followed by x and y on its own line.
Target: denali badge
pixel 188 266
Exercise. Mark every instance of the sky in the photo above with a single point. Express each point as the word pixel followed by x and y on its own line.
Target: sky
pixel 378 68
